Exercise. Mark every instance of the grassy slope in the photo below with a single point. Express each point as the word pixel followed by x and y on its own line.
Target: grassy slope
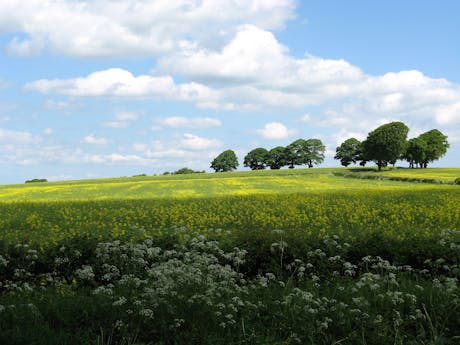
pixel 441 174
pixel 215 184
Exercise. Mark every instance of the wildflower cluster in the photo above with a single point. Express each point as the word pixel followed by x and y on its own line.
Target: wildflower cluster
pixel 194 291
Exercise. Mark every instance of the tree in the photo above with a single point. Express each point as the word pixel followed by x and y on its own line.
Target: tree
pixel 348 152
pixel 386 143
pixel 415 152
pixel 226 161
pixel 314 150
pixel 437 145
pixel 296 153
pixel 277 157
pixel 256 159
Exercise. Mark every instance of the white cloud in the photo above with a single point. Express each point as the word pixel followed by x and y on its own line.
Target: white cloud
pixel 139 147
pixel 101 28
pixel 18 137
pixel 25 47
pixel 448 114
pixel 117 158
pixel 193 142
pixel 122 119
pixel 185 122
pixel 255 71
pixel 275 130
pixel 92 140
pixel 256 60
pixel 117 82
pixel 128 116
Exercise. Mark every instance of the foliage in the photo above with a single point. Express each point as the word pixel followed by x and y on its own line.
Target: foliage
pixel 277 157
pixel 315 149
pixel 348 152
pixel 186 171
pixel 256 159
pixel 37 180
pixel 416 151
pixel 352 261
pixel 296 153
pixel 305 152
pixel 226 161
pixel 436 146
pixel 200 291
pixel 386 144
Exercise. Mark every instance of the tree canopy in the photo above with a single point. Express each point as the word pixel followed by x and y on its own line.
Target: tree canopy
pixel 348 152
pixel 226 161
pixel 277 157
pixel 386 144
pixel 314 152
pixel 256 159
pixel 436 145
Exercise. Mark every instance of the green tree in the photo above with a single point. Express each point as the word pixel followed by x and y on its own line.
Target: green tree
pixel 415 152
pixel 348 152
pixel 314 150
pixel 437 145
pixel 296 153
pixel 256 159
pixel 386 143
pixel 226 161
pixel 277 157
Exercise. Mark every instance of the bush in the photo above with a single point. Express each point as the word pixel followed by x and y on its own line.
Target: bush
pixel 186 171
pixel 37 180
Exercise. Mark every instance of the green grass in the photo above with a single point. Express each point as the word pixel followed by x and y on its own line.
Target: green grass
pixel 291 256
pixel 441 174
pixel 209 185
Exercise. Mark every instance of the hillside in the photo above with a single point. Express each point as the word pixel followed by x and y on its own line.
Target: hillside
pixel 220 184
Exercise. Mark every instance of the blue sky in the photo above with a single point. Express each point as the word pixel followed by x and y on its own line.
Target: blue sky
pixel 103 88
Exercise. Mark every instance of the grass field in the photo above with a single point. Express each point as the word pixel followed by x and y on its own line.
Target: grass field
pixel 214 184
pixel 300 256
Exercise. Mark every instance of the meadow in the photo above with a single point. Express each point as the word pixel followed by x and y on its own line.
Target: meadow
pixel 264 257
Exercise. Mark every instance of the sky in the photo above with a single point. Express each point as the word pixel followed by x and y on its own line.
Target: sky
pixel 104 88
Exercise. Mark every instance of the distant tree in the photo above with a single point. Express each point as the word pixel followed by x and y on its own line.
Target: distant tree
pixel 296 153
pixel 186 171
pixel 415 152
pixel 226 161
pixel 35 180
pixel 386 143
pixel 314 150
pixel 256 159
pixel 437 145
pixel 277 157
pixel 348 152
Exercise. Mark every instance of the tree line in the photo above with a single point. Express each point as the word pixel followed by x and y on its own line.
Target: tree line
pixel 307 152
pixel 388 143
pixel 383 146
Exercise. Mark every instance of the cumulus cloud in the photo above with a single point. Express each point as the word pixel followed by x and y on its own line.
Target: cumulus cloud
pixel 117 82
pixel 185 122
pixel 25 47
pixel 275 130
pixel 101 28
pixel 193 142
pixel 92 140
pixel 255 71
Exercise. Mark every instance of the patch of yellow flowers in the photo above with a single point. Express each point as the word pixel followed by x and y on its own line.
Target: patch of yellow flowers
pixel 401 214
